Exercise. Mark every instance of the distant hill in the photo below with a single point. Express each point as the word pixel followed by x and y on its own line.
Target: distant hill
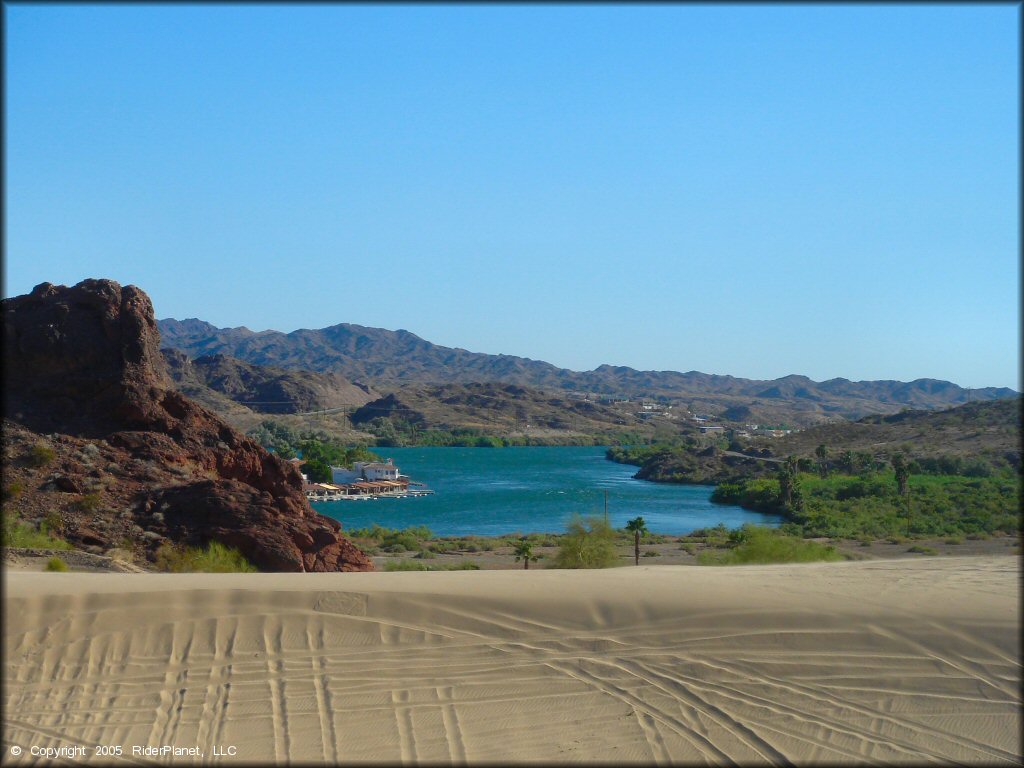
pixel 978 429
pixel 498 408
pixel 222 382
pixel 388 359
pixel 989 431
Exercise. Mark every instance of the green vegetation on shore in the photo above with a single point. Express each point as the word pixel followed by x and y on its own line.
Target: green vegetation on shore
pixel 948 473
pixel 588 543
pixel 413 565
pixel 758 545
pixel 870 504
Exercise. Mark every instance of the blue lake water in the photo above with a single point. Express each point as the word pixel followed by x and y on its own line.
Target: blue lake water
pixel 494 491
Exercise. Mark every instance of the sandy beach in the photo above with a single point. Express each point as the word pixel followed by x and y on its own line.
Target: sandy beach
pixel 882 661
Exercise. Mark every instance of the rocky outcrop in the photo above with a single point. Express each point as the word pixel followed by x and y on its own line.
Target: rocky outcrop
pixel 85 361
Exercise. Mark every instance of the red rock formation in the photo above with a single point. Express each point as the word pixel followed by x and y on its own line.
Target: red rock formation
pixel 86 361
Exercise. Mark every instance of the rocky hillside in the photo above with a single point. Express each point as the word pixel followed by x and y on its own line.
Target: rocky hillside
pixel 990 430
pixel 263 389
pixel 503 409
pixel 96 440
pixel 388 359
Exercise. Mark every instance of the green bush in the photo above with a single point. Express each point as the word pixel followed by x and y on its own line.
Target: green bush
pixel 213 558
pixel 588 543
pixel 20 535
pixel 56 564
pixel 13 490
pixel 53 523
pixel 922 550
pixel 392 539
pixel 759 545
pixel 41 454
pixel 955 540
pixel 90 502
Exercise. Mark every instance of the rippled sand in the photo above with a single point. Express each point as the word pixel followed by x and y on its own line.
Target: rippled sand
pixel 859 662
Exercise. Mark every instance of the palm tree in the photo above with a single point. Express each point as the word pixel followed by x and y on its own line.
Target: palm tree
pixel 847 461
pixel 785 477
pixel 822 453
pixel 524 552
pixel 639 528
pixel 902 470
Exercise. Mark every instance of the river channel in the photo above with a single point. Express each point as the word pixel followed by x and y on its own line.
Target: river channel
pixel 494 491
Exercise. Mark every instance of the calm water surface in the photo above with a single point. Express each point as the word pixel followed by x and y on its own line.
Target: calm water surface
pixel 494 491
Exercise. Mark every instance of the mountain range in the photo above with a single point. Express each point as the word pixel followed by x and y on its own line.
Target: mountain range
pixel 384 360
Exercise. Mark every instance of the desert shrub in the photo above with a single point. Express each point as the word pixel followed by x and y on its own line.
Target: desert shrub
pixel 688 548
pixel 13 490
pixel 53 523
pixel 411 565
pixel 21 535
pixel 393 539
pixel 651 553
pixel 588 543
pixel 955 540
pixel 865 542
pixel 56 564
pixel 425 554
pixel 41 454
pixel 89 502
pixel 406 565
pixel 759 545
pixel 213 558
pixel 922 550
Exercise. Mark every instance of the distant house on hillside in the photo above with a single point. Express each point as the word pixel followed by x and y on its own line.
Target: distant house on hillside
pixel 711 428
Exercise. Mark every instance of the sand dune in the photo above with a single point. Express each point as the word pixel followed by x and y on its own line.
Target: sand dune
pixel 861 662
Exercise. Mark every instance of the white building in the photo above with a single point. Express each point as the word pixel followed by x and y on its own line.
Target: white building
pixel 376 470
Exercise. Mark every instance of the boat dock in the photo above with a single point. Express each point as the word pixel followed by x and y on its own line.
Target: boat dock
pixel 366 480
pixel 362 491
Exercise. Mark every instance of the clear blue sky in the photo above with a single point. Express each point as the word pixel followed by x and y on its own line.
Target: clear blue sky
pixel 753 190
